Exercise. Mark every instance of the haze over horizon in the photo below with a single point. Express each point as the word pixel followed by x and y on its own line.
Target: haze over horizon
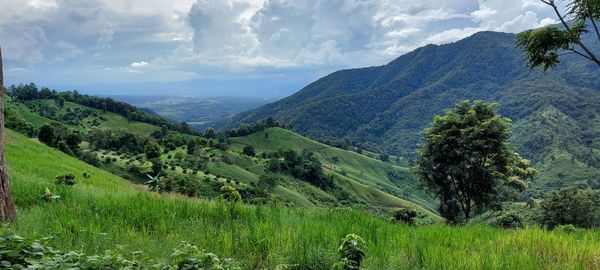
pixel 252 47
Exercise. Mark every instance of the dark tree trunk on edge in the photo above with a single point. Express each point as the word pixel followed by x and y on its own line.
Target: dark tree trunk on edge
pixel 7 206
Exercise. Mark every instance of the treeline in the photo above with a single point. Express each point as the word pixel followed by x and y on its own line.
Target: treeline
pixel 245 129
pixel 25 92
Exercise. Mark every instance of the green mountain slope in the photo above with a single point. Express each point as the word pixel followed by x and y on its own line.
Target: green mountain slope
pixel 385 108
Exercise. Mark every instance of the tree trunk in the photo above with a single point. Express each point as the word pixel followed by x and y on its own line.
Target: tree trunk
pixel 7 206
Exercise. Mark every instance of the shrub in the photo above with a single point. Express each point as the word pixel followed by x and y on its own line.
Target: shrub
pixel 405 215
pixel 64 147
pixel 351 253
pixel 21 253
pixel 86 175
pixel 67 179
pixel 230 194
pixel 269 180
pixel 249 151
pixel 188 256
pixel 228 159
pixel 90 158
pixel 47 134
pixel 152 150
pixel 508 220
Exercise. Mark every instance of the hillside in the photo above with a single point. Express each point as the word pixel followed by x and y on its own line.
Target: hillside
pixel 360 173
pixel 199 167
pixel 385 108
pixel 105 212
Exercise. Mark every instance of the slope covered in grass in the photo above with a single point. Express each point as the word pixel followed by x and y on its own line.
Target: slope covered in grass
pixel 348 166
pixel 104 212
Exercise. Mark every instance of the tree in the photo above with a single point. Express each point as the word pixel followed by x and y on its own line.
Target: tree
pixel 164 131
pixel 7 206
pixel 47 135
pixel 466 161
pixel 209 133
pixel 249 151
pixel 384 157
pixel 156 166
pixel 73 140
pixel 571 206
pixel 152 150
pixel 191 147
pixel 543 46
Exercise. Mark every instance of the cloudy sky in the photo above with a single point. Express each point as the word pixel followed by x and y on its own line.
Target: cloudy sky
pixel 82 42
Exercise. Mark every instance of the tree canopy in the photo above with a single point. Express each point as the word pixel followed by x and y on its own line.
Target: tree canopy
pixel 467 163
pixel 544 46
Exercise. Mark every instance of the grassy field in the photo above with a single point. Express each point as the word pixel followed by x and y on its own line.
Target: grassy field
pixel 105 211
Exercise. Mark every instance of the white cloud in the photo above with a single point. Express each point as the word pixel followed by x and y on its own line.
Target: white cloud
pixel 106 36
pixel 139 64
pixel 187 38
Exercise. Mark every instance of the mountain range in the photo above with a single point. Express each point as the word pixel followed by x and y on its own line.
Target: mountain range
pixel 385 108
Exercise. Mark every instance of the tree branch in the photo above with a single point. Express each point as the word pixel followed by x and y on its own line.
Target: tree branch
pixel 595 28
pixel 577 40
pixel 579 53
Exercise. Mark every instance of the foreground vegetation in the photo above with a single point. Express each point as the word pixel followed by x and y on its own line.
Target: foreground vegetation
pixel 105 212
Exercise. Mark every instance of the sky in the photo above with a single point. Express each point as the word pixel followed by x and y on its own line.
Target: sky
pixel 281 44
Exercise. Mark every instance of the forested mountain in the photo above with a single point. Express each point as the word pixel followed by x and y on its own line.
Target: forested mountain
pixel 385 108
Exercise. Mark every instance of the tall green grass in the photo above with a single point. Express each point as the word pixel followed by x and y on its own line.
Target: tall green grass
pixel 104 212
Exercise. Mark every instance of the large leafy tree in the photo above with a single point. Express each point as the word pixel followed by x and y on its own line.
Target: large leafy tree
pixel 466 161
pixel 544 46
pixel 7 206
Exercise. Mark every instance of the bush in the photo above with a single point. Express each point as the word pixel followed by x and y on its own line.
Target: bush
pixel 90 158
pixel 351 253
pixel 67 179
pixel 230 194
pixel 508 220
pixel 188 256
pixel 405 215
pixel 47 135
pixel 86 175
pixel 269 180
pixel 249 151
pixel 228 159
